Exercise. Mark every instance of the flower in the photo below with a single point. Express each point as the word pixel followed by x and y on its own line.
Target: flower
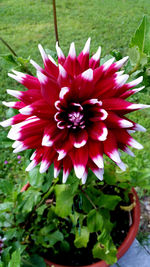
pixel 74 112
pixel 5 162
pixel 1 244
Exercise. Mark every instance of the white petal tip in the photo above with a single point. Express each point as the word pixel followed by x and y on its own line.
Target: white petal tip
pixel 72 51
pixel 136 82
pixel 115 156
pixel 138 106
pixel 46 141
pixel 86 48
pixel 79 170
pixel 126 124
pixel 65 176
pixel 44 166
pixel 139 128
pixel 31 166
pixel 42 78
pixel 122 166
pixel 108 63
pixel 26 110
pixel 88 74
pixel 121 62
pixel 14 93
pixel 103 136
pixel 6 123
pixel 120 80
pixel 135 144
pixel 97 55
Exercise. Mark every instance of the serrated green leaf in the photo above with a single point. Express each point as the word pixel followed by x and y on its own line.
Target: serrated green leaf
pixel 108 201
pixel 32 197
pixel 64 198
pixel 82 238
pixel 141 37
pixel 15 259
pixel 105 249
pixel 94 221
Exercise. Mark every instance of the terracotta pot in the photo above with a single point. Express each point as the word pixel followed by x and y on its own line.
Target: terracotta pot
pixel 126 243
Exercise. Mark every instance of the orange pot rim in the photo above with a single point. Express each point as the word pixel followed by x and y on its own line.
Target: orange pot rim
pixel 125 244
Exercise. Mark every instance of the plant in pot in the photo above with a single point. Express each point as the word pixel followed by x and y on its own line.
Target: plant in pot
pixel 73 115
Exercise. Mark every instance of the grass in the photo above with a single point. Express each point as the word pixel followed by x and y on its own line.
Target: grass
pixel 111 24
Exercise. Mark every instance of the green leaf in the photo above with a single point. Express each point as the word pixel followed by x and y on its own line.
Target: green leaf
pixel 34 261
pixel 10 59
pixel 6 206
pixel 32 197
pixel 6 255
pixel 94 221
pixel 108 201
pixel 82 238
pixel 41 209
pixel 15 259
pixel 65 246
pixel 141 37
pixel 54 238
pixel 64 198
pixel 105 249
pixel 134 55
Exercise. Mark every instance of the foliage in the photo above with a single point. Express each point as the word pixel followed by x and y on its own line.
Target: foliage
pixel 42 217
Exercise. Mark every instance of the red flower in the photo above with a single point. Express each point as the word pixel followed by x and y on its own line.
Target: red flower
pixel 74 112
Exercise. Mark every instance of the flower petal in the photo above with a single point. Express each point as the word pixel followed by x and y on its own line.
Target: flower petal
pixel 27 80
pixel 79 158
pixel 98 131
pixel 14 120
pixel 79 139
pixel 83 57
pixel 95 59
pixel 114 121
pixel 47 159
pixel 32 142
pixel 111 148
pixel 96 153
pixel 39 108
pixel 49 88
pixel 67 167
pixel 61 57
pixel 49 63
pixel 71 64
pixel 97 171
pixel 26 96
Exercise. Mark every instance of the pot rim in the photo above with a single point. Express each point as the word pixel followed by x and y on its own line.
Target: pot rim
pixel 125 244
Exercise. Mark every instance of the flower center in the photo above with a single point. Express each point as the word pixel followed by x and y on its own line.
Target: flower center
pixel 76 119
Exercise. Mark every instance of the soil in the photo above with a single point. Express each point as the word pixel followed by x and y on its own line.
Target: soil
pixel 83 256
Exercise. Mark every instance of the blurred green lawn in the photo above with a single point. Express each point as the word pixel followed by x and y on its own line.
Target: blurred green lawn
pixel 110 23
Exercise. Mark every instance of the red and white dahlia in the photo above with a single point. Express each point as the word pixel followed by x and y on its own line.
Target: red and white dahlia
pixel 74 112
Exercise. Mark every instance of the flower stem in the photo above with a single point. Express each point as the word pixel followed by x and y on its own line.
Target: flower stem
pixel 134 69
pixel 55 21
pixel 8 46
pixel 90 200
